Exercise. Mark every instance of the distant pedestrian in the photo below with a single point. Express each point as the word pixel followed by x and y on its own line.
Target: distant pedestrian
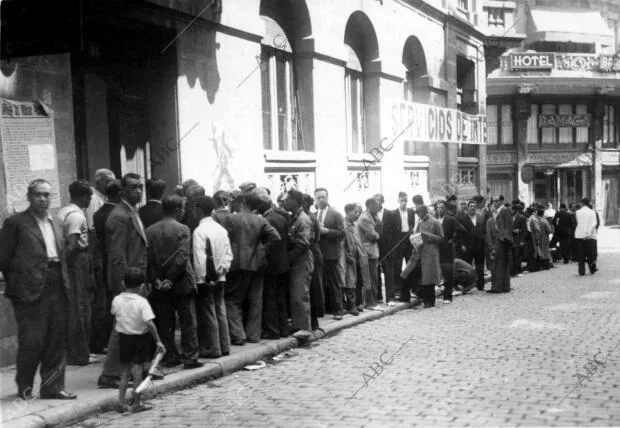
pixel 135 328
pixel 431 233
pixel 30 261
pixel 585 238
pixel 81 280
pixel 317 292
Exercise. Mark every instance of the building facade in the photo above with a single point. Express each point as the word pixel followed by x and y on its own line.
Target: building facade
pixel 552 101
pixel 359 96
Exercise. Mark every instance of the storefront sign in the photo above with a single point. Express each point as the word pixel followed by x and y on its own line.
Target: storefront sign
pixel 577 62
pixel 551 157
pixel 426 123
pixel 501 158
pixel 563 120
pixel 609 63
pixel 531 61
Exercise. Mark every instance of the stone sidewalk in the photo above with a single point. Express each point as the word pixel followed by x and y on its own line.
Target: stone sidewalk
pixel 82 380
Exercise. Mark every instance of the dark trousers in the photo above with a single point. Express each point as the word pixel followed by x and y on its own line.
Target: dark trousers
pixel 517 257
pixel 370 294
pixel 349 294
pixel 332 281
pixel 447 271
pixel 42 336
pixel 244 286
pixel 565 248
pixel 359 284
pixel 213 336
pixel 411 283
pixel 428 295
pixel 500 281
pixel 101 319
pixel 275 305
pixel 477 257
pixel 586 252
pixel 169 304
pixel 300 301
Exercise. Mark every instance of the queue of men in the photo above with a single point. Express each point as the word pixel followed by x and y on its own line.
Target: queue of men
pixel 237 268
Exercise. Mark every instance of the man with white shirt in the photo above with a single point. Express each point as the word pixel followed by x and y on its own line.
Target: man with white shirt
pixel 585 237
pixel 213 335
pixel 397 225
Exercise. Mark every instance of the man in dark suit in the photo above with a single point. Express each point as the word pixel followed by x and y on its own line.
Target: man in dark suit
pixel 275 308
pixel 397 225
pixel 472 247
pixel 247 232
pixel 126 245
pixel 33 267
pixel 519 229
pixel 170 271
pixel 331 227
pixel 152 211
pixel 453 232
pixel 564 223
pixel 102 324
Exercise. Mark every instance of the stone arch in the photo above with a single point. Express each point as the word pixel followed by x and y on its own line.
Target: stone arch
pixel 360 36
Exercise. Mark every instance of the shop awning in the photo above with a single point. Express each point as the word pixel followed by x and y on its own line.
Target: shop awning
pixel 569 25
pixel 581 161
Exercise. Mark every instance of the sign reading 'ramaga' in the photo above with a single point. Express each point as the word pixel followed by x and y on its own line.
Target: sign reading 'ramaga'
pixel 426 123
pixel 563 120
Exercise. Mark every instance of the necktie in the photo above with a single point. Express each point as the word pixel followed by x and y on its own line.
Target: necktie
pixel 321 214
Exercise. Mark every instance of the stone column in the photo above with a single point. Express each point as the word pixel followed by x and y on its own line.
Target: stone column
pixel 521 114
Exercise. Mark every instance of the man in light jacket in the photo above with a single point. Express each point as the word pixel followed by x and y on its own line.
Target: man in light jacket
pixel 585 238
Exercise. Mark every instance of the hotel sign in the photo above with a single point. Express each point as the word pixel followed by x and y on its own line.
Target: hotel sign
pixel 532 61
pixel 563 120
pixel 427 123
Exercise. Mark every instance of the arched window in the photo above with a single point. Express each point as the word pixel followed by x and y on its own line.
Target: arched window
pixel 354 96
pixel 278 87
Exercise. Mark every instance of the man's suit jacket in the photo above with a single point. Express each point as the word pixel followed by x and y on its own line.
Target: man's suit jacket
pixel 474 235
pixel 126 244
pixel 519 222
pixel 151 213
pixel 504 225
pixel 164 238
pixel 453 232
pixel 392 228
pixel 277 255
pixel 368 235
pixel 247 231
pixel 331 242
pixel 564 223
pixel 99 219
pixel 23 257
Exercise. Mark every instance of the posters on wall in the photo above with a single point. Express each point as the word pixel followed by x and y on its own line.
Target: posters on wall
pixel 279 182
pixel 28 141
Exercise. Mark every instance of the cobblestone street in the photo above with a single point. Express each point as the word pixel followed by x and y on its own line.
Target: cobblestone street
pixel 547 354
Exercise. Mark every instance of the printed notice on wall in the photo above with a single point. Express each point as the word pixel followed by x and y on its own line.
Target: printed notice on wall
pixel 28 150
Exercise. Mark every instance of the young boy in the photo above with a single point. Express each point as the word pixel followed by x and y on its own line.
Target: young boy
pixel 134 322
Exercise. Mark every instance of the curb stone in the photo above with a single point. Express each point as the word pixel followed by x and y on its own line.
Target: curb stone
pixel 106 401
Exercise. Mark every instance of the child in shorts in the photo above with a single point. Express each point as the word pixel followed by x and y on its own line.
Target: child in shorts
pixel 134 323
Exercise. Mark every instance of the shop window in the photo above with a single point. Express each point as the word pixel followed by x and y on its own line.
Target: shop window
pixel 566 134
pixel 499 124
pixel 548 134
pixel 581 135
pixel 354 90
pixel 554 135
pixel 278 100
pixel 609 126
pixel 463 5
pixel 496 17
pixel 408 87
pixel 467 176
pixel 532 125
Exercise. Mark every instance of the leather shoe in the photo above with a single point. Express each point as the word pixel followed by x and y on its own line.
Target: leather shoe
pixel 493 291
pixel 108 382
pixel 60 395
pixel 192 364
